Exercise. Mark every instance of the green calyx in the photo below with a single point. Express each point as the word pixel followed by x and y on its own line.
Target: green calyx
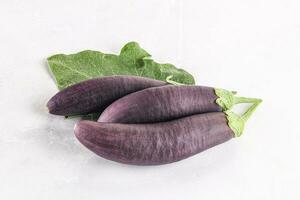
pixel 227 99
pixel 237 122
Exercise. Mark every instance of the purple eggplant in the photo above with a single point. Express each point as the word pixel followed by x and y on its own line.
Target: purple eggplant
pixel 96 94
pixel 169 102
pixel 160 143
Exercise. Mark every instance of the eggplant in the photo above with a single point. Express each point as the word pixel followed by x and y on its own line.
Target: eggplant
pixel 163 142
pixel 94 95
pixel 169 102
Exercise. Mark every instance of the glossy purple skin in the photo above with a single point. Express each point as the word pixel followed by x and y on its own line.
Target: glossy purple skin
pixel 95 95
pixel 161 104
pixel 157 143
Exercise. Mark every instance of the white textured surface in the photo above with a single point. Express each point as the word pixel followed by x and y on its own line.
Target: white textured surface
pixel 249 46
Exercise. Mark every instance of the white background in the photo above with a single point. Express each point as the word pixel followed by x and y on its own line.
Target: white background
pixel 249 46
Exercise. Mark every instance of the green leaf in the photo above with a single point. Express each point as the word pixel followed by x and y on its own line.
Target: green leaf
pixel 133 60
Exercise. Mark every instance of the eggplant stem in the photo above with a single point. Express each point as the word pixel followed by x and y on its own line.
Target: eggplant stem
pixel 237 122
pixel 227 99
pixel 250 111
pixel 238 100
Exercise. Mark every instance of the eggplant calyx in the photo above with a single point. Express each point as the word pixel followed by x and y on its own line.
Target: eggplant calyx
pixel 227 99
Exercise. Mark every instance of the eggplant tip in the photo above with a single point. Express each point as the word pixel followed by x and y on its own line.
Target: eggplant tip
pixel 75 126
pixel 50 106
pixel 45 108
pixel 76 130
